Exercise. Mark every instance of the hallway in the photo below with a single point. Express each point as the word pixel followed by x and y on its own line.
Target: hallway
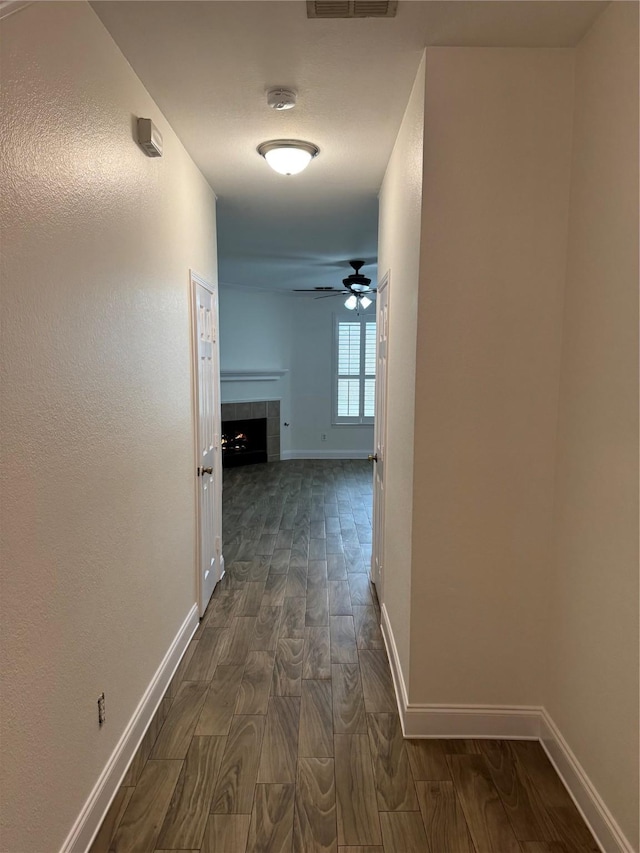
pixel 280 730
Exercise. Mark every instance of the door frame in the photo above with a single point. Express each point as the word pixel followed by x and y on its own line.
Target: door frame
pixel 378 577
pixel 194 280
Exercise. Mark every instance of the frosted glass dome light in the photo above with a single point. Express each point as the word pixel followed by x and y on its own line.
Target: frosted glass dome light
pixel 365 302
pixel 351 302
pixel 288 156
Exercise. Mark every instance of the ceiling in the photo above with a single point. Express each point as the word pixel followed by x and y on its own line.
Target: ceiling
pixel 208 65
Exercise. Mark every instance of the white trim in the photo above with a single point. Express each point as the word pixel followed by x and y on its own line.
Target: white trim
pixel 325 454
pixel 347 425
pixel 8 7
pixel 590 804
pixel 257 400
pixel 251 375
pixel 505 722
pixel 402 696
pixel 94 810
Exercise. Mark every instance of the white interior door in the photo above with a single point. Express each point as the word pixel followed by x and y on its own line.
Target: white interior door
pixel 208 461
pixel 382 330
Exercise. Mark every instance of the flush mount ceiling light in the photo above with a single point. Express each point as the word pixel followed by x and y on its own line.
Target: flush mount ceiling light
pixel 288 156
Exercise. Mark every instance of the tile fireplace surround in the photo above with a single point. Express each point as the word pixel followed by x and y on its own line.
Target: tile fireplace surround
pixel 269 409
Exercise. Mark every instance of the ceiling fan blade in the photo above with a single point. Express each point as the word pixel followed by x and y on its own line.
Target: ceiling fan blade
pixel 316 290
pixel 327 295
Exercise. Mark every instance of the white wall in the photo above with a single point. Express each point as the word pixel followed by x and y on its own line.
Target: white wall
pixel 98 482
pixel 255 334
pixel 522 573
pixel 399 254
pixel 312 383
pixel 495 207
pixel 593 644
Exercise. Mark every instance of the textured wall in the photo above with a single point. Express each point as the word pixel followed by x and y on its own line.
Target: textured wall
pixel 399 253
pixel 98 495
pixel 495 207
pixel 593 649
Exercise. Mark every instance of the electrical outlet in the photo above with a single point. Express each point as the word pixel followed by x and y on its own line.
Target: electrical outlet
pixel 323 436
pixel 101 712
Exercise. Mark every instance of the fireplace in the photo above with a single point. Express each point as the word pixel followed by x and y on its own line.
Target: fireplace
pixel 250 432
pixel 244 442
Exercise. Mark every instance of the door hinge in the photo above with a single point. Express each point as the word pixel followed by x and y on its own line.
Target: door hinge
pixel 218 544
pixel 216 441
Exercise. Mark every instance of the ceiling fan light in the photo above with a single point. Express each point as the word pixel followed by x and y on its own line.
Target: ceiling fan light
pixel 365 301
pixel 351 302
pixel 288 156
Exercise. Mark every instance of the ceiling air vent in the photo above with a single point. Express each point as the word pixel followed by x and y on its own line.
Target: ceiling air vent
pixel 351 8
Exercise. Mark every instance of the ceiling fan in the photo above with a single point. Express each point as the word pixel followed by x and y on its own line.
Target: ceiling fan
pixel 358 285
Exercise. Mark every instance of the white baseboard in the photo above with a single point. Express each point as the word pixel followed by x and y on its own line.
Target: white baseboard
pixel 402 697
pixel 94 810
pixel 8 7
pixel 325 454
pixel 455 721
pixel 507 723
pixel 584 794
pixel 502 722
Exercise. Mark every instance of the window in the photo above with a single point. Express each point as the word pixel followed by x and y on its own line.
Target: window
pixel 355 374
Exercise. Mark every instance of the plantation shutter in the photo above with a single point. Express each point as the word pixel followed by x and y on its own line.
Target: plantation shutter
pixel 356 369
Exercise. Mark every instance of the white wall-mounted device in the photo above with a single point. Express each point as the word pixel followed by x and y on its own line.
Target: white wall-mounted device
pixel 149 138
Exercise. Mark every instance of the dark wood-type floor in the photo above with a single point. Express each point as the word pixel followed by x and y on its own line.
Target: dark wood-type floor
pixel 280 731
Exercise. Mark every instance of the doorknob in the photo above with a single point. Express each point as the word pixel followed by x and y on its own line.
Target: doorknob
pixel 202 471
pixel 372 457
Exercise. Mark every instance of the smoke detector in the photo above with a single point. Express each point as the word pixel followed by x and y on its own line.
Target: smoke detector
pixel 281 99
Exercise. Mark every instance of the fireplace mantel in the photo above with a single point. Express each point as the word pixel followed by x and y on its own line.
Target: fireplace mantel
pixel 251 375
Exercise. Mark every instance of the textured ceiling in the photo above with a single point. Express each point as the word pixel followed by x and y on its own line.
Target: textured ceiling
pixel 208 65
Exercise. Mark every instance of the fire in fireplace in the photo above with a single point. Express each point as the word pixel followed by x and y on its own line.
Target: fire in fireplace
pixel 235 440
pixel 244 442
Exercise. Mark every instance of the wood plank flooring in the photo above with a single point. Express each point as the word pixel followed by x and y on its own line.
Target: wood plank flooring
pixel 280 733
